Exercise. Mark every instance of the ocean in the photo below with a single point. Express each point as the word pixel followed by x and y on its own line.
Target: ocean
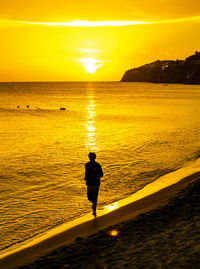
pixel 139 131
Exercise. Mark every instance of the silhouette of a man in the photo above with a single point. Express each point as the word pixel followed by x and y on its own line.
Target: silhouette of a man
pixel 93 173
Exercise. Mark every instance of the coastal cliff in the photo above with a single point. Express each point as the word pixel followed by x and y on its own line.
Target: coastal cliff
pixel 180 71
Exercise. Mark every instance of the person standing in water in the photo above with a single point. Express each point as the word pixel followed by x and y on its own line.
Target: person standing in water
pixel 93 173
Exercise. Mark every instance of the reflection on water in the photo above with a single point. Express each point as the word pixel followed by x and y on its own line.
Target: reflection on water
pixel 91 123
pixel 110 207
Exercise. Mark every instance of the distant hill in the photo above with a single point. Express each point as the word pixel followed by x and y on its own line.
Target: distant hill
pixel 180 71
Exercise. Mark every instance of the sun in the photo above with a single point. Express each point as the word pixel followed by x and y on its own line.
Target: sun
pixel 90 64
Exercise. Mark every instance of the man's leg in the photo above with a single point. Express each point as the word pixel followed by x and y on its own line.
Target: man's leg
pixel 95 197
pixel 92 194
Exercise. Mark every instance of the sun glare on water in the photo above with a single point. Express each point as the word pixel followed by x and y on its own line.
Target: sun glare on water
pixel 90 64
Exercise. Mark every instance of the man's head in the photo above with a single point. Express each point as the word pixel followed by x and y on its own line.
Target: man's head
pixel 92 156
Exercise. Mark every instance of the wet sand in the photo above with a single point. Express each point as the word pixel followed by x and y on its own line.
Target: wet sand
pixel 165 235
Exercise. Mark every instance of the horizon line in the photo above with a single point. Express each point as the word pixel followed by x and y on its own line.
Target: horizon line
pixel 50 81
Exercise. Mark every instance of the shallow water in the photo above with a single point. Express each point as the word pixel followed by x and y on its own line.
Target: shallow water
pixel 140 131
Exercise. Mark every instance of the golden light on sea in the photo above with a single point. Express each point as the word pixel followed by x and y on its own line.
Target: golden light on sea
pixel 90 125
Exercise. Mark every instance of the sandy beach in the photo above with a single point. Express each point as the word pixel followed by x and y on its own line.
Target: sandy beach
pixel 165 235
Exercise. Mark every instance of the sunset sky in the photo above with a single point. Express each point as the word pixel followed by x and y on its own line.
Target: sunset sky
pixel 89 40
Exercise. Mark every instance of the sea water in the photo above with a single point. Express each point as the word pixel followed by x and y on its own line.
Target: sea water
pixel 139 131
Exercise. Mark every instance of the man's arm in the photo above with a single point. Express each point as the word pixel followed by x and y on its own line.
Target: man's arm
pixel 85 172
pixel 100 171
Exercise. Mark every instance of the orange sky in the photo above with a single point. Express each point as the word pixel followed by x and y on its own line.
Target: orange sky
pixel 38 52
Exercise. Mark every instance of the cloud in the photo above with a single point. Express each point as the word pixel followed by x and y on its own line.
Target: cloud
pixel 84 23
pixel 89 50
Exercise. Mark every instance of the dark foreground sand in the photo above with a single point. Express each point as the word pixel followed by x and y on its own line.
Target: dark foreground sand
pixel 167 237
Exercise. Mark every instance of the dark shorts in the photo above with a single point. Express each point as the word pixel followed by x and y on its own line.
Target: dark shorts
pixel 92 193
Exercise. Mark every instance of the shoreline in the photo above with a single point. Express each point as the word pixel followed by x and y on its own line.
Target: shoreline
pixel 129 208
pixel 166 237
